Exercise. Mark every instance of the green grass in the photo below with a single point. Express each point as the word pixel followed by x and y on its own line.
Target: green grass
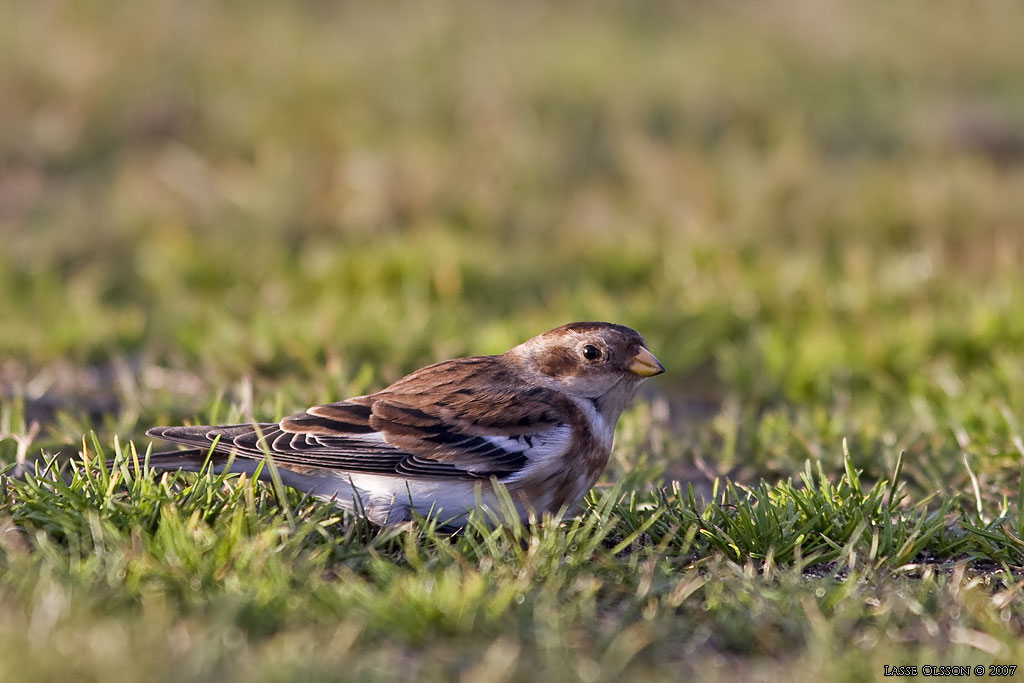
pixel 814 216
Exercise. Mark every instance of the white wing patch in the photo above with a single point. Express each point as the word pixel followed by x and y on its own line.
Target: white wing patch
pixel 542 450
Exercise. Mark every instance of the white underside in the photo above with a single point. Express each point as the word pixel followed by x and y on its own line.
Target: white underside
pixel 391 500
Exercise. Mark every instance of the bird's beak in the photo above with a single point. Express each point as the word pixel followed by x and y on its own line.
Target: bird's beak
pixel 645 364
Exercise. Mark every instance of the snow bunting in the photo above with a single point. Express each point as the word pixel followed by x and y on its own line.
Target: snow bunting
pixel 538 419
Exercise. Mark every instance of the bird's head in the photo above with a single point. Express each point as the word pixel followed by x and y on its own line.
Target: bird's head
pixel 588 359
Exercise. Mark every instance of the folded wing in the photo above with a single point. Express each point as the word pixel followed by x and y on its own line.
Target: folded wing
pixel 466 419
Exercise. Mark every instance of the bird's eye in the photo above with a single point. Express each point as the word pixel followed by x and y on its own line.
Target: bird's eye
pixel 591 352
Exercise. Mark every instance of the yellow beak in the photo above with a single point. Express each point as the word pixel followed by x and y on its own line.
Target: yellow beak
pixel 645 364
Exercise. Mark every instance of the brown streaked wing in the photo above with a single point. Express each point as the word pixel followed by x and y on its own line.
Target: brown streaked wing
pixel 467 418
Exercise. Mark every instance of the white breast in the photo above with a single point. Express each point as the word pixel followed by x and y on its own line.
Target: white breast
pixel 603 431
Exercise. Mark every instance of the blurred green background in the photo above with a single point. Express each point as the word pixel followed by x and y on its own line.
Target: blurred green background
pixel 813 211
pixel 797 204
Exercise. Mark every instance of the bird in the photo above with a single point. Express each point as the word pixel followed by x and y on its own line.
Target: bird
pixel 538 419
